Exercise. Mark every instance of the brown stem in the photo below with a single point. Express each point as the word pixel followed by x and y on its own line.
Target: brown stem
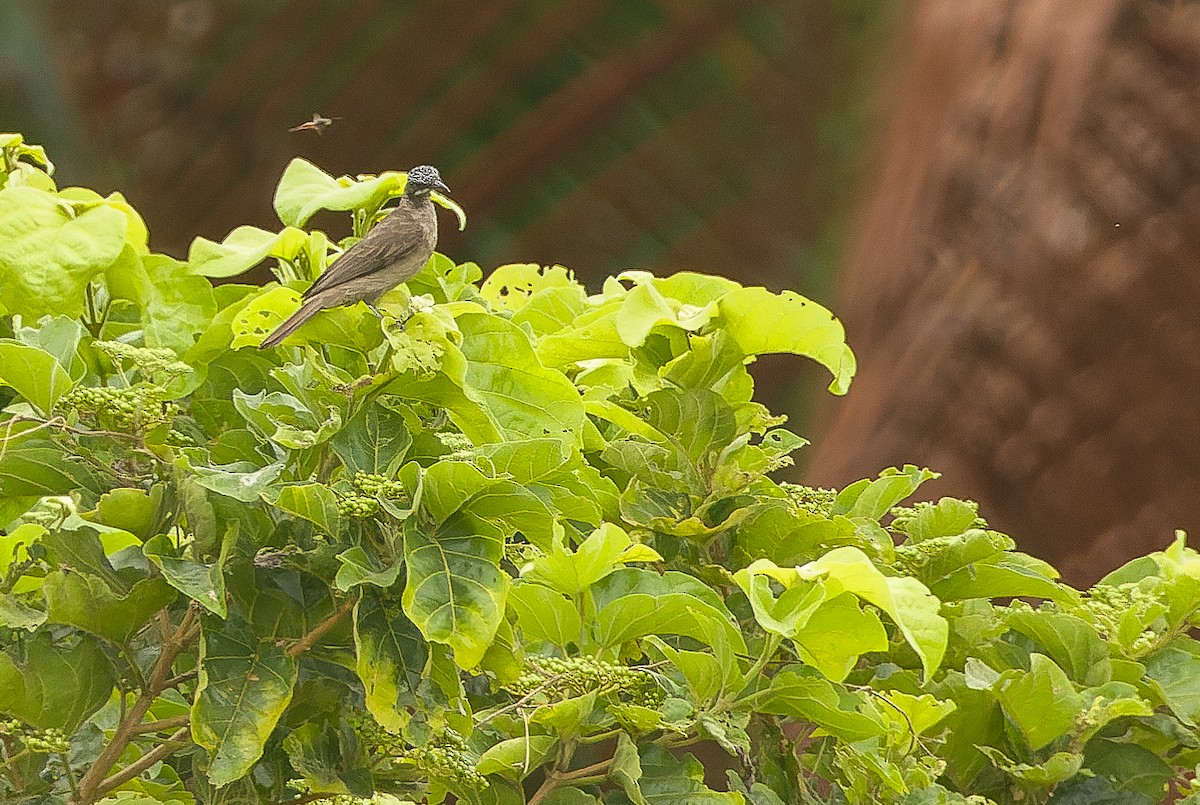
pixel 163 724
pixel 556 779
pixel 94 784
pixel 309 640
pixel 177 740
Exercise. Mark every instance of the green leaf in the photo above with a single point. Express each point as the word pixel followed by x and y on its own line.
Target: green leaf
pixel 304 189
pixel 243 249
pixel 526 399
pixel 908 602
pixel 390 658
pixel 1130 767
pixel 804 693
pixel 626 769
pixel 204 584
pixel 637 614
pixel 762 322
pixel 244 686
pixel 456 591
pixel 1176 670
pixel 666 780
pixel 698 421
pixel 315 754
pixel 285 420
pixel 545 614
pixel 837 633
pixel 39 467
pixel 1058 767
pixel 573 571
pixel 50 250
pixel 1072 643
pixel 57 686
pixel 241 480
pixel 1042 702
pixel 34 374
pixel 515 758
pixel 88 603
pixel 872 499
pixel 312 502
pixel 359 567
pixel 374 440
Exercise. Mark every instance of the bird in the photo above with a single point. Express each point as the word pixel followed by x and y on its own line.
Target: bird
pixel 392 252
pixel 318 123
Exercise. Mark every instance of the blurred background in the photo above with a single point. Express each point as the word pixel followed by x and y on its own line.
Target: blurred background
pixel 1000 199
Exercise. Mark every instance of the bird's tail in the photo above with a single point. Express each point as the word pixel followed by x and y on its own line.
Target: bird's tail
pixel 309 309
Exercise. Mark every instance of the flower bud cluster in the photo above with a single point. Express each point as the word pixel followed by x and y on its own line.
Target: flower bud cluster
pixel 810 499
pixel 369 488
pixel 48 741
pixel 147 360
pixel 134 409
pixel 444 758
pixel 564 678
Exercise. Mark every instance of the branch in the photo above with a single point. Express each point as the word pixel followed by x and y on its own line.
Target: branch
pixel 163 724
pixel 555 779
pixel 94 784
pixel 311 639
pixel 176 741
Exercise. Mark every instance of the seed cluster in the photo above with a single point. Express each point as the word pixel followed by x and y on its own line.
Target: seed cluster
pixel 48 741
pixel 444 758
pixel 564 678
pixel 133 409
pixel 369 488
pixel 147 360
pixel 810 499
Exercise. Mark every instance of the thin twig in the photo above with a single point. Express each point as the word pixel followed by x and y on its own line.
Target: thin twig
pixel 163 724
pixel 177 740
pixel 555 779
pixel 309 640
pixel 94 784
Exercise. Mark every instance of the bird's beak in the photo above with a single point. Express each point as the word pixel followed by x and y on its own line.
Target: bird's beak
pixel 440 185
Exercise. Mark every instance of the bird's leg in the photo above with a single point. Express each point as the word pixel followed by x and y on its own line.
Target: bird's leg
pixel 374 310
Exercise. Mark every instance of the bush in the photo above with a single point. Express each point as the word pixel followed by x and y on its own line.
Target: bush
pixel 512 544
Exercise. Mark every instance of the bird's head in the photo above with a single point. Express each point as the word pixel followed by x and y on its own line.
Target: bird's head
pixel 422 179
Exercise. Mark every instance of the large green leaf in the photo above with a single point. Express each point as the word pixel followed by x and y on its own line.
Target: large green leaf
pixel 58 685
pixel 908 602
pixel 305 189
pixel 390 659
pixel 243 249
pixel 1176 670
pixel 313 502
pixel 659 778
pixel 34 373
pixel 456 590
pixel 37 467
pixel 1041 702
pixel 804 693
pixel 762 322
pixel 244 685
pixel 573 571
pixel 50 250
pixel 89 603
pixel 526 399
pixel 204 584
pixel 374 440
pixel 545 614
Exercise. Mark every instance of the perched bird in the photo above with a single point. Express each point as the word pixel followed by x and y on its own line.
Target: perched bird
pixel 318 123
pixel 395 250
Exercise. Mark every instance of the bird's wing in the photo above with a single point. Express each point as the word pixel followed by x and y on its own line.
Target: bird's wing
pixel 392 239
